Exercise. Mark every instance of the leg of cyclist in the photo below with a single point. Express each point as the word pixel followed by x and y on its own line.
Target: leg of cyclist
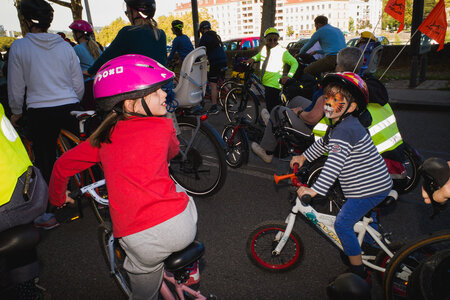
pixel 272 97
pixel 352 211
pixel 216 72
pixel 269 142
pixel 147 249
pixel 326 64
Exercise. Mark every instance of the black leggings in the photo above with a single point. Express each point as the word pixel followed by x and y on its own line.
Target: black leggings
pixel 44 125
pixel 272 97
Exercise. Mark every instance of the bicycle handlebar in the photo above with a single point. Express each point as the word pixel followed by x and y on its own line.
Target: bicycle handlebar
pixel 435 173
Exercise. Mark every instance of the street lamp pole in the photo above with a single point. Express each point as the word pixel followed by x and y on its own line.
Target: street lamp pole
pixel 194 7
pixel 88 12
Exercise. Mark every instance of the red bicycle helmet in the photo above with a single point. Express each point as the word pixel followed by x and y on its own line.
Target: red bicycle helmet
pixel 353 83
pixel 81 25
pixel 129 76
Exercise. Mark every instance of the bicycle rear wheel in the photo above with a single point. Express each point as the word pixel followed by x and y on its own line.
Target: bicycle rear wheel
pixel 407 259
pixel 241 104
pixel 112 251
pixel 202 170
pixel 225 88
pixel 263 240
pixel 237 146
pixel 412 163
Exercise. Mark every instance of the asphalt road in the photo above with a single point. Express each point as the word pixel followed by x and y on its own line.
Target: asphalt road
pixel 73 267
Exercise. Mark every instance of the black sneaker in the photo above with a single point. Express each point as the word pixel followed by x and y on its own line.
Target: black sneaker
pixel 213 110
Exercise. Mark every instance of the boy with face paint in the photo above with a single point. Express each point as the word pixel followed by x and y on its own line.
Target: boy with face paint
pixel 352 158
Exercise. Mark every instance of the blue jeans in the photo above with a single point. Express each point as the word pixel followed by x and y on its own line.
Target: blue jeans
pixel 352 211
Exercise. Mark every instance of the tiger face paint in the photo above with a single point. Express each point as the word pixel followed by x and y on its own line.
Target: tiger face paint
pixel 335 105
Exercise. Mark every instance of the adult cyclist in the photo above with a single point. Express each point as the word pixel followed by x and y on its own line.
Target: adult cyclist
pixel 331 40
pixel 44 66
pixel 217 60
pixel 181 45
pixel 142 37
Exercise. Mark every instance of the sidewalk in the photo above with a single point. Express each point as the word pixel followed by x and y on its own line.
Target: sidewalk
pixel 427 94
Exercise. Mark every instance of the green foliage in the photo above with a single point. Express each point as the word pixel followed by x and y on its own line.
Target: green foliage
pixel 5 42
pixel 290 31
pixel 351 24
pixel 165 23
pixel 109 32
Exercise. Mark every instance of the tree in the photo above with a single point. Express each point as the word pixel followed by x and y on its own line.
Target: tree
pixel 74 5
pixel 268 16
pixel 109 32
pixel 351 24
pixel 5 42
pixel 290 31
pixel 23 27
pixel 165 23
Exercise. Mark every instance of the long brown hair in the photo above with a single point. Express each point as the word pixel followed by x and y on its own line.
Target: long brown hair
pixel 103 133
pixel 92 47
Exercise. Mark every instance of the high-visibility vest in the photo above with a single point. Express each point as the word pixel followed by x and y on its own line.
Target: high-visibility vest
pixel 383 130
pixel 14 159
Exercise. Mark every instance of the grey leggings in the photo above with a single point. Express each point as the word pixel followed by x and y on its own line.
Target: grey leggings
pixel 269 142
pixel 147 249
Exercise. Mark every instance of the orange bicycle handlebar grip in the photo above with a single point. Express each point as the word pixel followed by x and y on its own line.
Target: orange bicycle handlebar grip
pixel 278 178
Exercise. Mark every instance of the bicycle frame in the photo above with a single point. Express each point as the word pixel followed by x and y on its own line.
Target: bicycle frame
pixel 325 224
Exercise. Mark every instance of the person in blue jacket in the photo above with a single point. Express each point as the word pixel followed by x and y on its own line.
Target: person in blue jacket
pixel 331 40
pixel 181 45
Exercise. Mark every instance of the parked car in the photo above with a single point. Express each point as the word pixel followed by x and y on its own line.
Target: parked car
pixel 298 44
pixel 241 44
pixel 382 39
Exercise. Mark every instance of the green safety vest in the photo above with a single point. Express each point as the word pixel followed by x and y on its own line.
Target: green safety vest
pixel 383 130
pixel 14 159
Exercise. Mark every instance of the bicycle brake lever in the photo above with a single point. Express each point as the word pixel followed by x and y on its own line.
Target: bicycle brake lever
pixel 430 187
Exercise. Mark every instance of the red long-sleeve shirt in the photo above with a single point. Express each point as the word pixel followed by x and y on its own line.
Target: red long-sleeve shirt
pixel 135 163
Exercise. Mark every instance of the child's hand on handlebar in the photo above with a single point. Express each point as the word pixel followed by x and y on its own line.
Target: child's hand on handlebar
pixel 303 190
pixel 69 200
pixel 300 160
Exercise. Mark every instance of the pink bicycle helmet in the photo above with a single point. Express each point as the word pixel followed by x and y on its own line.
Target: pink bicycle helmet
pixel 129 76
pixel 81 25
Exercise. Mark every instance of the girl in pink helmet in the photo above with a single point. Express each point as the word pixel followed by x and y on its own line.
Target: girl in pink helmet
pixel 134 144
pixel 87 49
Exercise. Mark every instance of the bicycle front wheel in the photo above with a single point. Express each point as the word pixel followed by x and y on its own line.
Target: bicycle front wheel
pixel 112 252
pixel 264 239
pixel 237 146
pixel 407 259
pixel 239 103
pixel 200 167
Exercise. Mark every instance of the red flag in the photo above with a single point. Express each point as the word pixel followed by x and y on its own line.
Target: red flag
pixel 435 25
pixel 396 9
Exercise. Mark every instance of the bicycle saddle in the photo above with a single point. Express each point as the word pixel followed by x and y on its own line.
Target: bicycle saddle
pixel 82 114
pixel 17 246
pixel 185 257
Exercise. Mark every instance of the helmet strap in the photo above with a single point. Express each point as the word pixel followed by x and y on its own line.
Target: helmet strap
pixel 146 108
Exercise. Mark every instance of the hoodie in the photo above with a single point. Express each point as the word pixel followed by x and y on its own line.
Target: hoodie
pixel 48 69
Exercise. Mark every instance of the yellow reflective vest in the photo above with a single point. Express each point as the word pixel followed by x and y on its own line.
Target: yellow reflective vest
pixel 14 159
pixel 383 130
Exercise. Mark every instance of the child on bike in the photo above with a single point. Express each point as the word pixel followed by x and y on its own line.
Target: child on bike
pixel 352 159
pixel 134 144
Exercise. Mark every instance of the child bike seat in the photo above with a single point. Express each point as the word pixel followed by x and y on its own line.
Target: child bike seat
pixel 185 257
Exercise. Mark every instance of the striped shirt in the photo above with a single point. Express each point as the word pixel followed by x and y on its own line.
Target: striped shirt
pixel 353 159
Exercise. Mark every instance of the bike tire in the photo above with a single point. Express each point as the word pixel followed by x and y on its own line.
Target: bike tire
pixel 382 259
pixel 333 201
pixel 119 274
pixel 407 259
pixel 412 163
pixel 224 89
pixel 204 171
pixel 239 104
pixel 237 146
pixel 259 251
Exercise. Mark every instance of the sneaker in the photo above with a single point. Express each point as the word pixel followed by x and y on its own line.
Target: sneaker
pixel 194 274
pixel 258 150
pixel 265 116
pixel 213 110
pixel 46 221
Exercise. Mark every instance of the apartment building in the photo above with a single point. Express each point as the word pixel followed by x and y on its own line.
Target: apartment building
pixel 238 18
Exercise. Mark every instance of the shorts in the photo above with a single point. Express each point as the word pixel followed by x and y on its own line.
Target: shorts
pixel 216 72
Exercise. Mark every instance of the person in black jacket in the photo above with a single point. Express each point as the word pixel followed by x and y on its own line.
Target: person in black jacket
pixel 217 60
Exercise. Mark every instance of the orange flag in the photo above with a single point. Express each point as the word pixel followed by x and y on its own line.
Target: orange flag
pixel 435 25
pixel 396 9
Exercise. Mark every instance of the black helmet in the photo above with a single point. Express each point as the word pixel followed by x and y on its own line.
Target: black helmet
pixel 348 286
pixel 147 7
pixel 177 24
pixel 39 12
pixel 204 25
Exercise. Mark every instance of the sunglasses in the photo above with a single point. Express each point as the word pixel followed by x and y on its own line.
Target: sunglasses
pixel 126 13
pixel 272 39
